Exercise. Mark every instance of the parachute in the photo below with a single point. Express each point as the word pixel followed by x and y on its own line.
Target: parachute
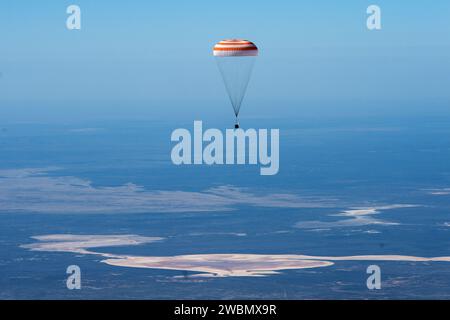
pixel 235 59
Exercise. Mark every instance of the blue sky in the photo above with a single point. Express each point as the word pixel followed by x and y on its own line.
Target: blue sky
pixel 161 50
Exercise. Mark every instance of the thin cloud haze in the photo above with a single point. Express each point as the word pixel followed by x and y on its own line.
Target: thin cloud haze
pixel 355 217
pixel 33 190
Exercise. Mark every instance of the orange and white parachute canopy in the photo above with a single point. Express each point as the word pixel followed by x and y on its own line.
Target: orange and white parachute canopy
pixel 235 48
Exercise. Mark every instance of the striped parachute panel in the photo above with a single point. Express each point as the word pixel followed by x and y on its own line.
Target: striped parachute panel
pixel 235 48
